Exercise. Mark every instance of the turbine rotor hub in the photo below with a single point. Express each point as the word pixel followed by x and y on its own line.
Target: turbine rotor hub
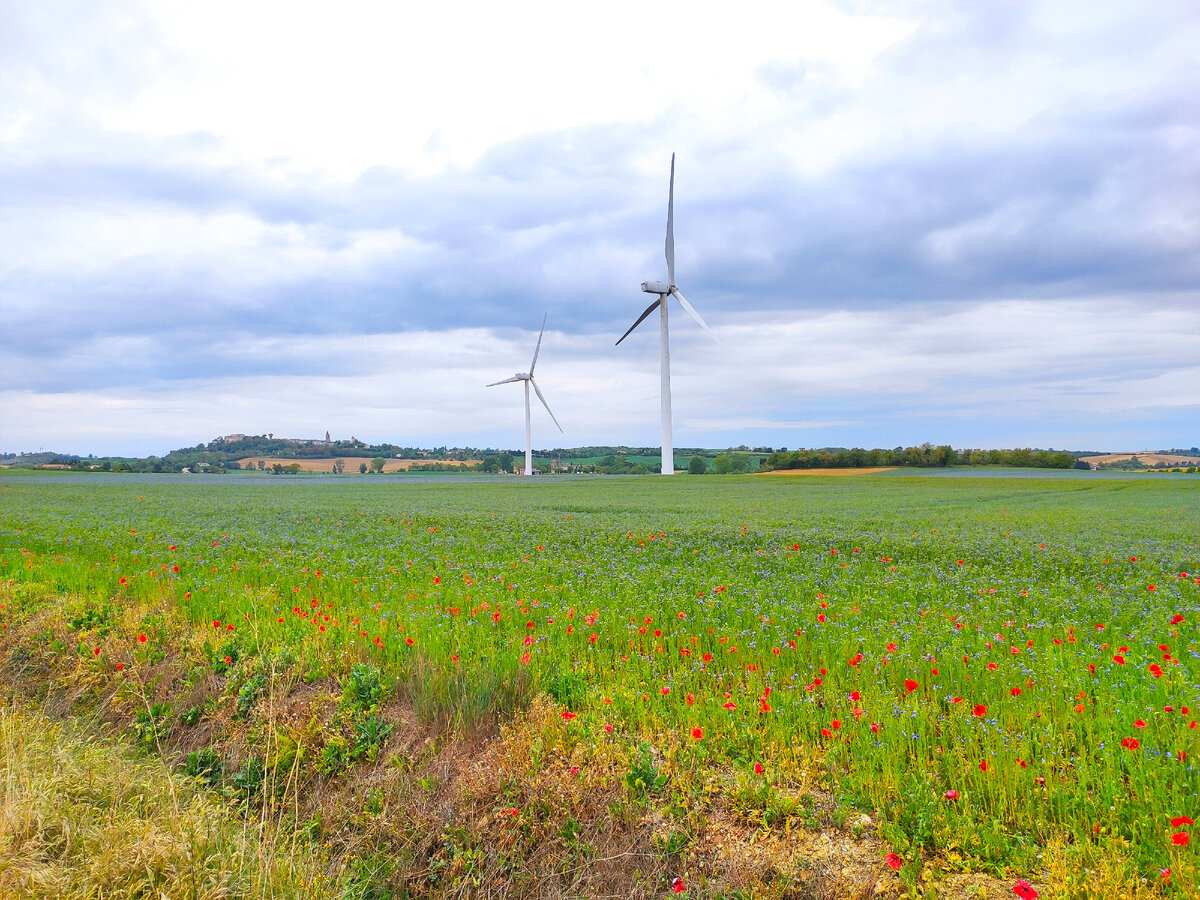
pixel 656 287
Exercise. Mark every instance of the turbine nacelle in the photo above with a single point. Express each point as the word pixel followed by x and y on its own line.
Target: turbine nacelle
pixel 656 287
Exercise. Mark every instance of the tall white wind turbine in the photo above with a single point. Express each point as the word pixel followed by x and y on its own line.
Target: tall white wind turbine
pixel 663 289
pixel 527 377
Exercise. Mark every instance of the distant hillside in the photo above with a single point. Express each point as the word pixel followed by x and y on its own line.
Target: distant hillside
pixel 1143 459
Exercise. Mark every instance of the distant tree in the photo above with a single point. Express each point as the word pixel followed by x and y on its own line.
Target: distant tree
pixel 377 464
pixel 261 465
pixel 490 464
pixel 697 465
pixel 362 468
pixel 722 465
pixel 339 466
pixel 505 461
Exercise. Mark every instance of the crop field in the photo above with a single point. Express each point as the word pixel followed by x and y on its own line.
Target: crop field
pixel 544 687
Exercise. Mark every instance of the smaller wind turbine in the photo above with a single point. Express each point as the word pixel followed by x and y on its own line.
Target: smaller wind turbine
pixel 527 377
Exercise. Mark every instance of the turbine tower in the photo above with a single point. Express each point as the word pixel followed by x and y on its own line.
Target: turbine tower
pixel 527 377
pixel 663 290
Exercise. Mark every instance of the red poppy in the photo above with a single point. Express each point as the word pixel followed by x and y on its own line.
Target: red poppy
pixel 979 711
pixel 951 795
pixel 910 685
pixel 677 885
pixel 1180 838
pixel 758 768
pixel 875 727
pixel 141 639
pixel 697 732
pixel 1181 820
pixel 1016 692
pixel 567 715
pixel 983 765
pixel 893 860
pixel 1024 890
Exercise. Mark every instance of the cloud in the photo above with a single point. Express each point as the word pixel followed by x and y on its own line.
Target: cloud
pixel 899 216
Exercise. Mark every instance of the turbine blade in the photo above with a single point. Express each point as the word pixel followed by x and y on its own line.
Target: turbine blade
pixel 649 309
pixel 691 311
pixel 544 403
pixel 538 348
pixel 506 381
pixel 671 227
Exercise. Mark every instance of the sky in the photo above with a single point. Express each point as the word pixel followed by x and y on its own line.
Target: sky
pixel 944 221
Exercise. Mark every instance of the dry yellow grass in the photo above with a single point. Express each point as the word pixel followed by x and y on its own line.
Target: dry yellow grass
pixel 80 817
pixel 352 463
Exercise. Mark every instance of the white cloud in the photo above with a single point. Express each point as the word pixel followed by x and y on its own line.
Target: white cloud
pixel 979 221
pixel 804 380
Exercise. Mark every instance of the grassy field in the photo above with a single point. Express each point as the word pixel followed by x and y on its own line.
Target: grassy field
pixel 592 687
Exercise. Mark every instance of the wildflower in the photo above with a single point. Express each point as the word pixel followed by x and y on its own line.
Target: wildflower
pixel 567 715
pixel 141 639
pixel 607 728
pixel 1016 692
pixel 979 711
pixel 1024 890
pixel 910 685
pixel 697 734
pixel 677 885
pixel 1181 820
pixel 951 795
pixel 893 860
pixel 1180 838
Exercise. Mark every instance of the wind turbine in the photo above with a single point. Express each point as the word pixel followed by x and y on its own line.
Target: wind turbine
pixel 663 289
pixel 527 377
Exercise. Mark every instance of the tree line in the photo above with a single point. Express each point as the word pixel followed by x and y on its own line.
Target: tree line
pixel 925 456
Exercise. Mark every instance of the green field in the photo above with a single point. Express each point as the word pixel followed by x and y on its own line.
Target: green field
pixel 1001 675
